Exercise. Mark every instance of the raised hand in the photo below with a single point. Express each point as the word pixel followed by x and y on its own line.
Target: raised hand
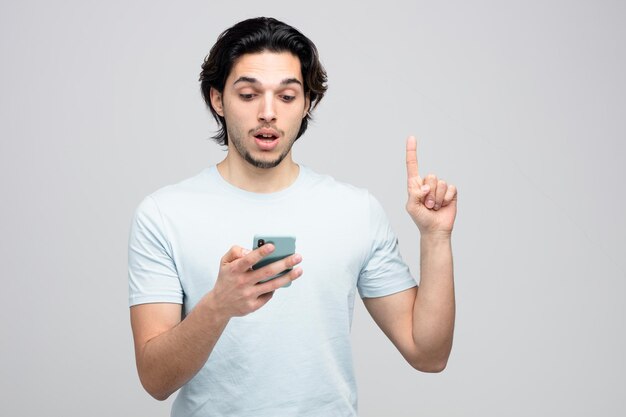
pixel 432 202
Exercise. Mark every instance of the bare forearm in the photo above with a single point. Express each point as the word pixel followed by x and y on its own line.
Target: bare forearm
pixel 169 360
pixel 434 310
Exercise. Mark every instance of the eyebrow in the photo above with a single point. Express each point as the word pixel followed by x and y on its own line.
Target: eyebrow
pixel 252 80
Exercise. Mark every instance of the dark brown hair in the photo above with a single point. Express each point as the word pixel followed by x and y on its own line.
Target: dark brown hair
pixel 253 36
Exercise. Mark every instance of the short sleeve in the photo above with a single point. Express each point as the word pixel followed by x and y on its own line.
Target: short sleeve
pixel 152 275
pixel 383 272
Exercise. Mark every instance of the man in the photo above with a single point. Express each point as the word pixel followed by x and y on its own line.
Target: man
pixel 202 319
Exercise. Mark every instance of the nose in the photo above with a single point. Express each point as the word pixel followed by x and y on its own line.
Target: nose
pixel 267 112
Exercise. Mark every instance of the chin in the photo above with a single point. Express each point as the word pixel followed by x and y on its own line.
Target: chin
pixel 263 164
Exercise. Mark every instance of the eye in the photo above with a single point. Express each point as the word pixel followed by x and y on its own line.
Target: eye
pixel 287 99
pixel 246 97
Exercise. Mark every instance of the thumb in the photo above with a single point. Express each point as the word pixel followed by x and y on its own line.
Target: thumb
pixel 418 192
pixel 234 253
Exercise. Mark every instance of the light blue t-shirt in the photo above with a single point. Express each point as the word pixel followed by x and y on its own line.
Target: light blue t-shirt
pixel 292 357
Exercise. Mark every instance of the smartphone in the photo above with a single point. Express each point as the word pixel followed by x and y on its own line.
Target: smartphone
pixel 284 246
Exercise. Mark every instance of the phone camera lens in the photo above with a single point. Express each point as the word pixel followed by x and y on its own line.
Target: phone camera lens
pixel 261 243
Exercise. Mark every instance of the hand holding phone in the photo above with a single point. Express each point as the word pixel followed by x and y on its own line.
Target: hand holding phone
pixel 240 290
pixel 284 246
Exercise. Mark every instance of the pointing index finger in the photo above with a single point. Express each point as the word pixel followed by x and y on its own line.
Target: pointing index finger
pixel 411 157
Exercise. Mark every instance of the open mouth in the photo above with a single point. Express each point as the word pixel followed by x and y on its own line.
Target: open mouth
pixel 266 137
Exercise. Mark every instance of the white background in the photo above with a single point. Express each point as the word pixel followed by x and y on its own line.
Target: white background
pixel 519 104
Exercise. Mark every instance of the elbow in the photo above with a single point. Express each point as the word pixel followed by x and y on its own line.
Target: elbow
pixel 159 396
pixel 153 382
pixel 431 366
pixel 432 360
pixel 156 390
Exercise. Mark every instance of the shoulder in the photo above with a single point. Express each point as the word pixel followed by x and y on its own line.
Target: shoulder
pixel 178 194
pixel 326 187
pixel 327 184
pixel 188 186
pixel 358 201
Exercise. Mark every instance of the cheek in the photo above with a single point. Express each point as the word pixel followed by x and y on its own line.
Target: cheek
pixel 235 114
pixel 295 115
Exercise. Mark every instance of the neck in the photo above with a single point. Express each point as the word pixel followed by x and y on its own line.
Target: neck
pixel 244 175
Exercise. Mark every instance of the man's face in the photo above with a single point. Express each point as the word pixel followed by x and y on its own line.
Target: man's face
pixel 263 103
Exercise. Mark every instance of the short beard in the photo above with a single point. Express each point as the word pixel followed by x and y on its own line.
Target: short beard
pixel 255 162
pixel 263 164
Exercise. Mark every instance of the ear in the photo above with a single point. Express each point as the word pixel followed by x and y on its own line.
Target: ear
pixel 307 105
pixel 216 101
